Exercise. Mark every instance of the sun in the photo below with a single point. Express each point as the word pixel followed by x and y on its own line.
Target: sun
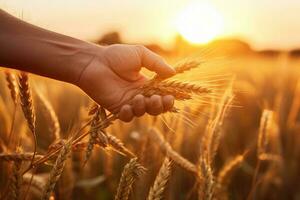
pixel 199 23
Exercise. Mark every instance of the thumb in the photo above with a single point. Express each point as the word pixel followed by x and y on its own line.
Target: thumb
pixel 155 63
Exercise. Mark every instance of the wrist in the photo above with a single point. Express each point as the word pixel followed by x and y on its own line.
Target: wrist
pixel 84 55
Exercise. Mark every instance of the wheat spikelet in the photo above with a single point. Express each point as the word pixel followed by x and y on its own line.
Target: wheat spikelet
pixel 12 85
pixel 180 68
pixel 185 86
pixel 118 145
pixel 26 101
pixel 187 65
pixel 265 125
pixel 207 182
pixel 18 156
pixel 156 191
pixel 56 170
pixel 178 94
pixel 50 115
pixel 167 149
pixel 228 169
pixel 211 139
pixel 95 132
pixel 16 181
pixel 131 172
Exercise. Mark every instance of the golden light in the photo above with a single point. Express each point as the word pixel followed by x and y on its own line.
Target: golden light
pixel 199 23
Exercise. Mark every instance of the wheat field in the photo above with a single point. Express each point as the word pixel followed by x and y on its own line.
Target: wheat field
pixel 233 134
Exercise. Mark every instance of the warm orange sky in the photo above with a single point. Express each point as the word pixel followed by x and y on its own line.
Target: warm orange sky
pixel 266 23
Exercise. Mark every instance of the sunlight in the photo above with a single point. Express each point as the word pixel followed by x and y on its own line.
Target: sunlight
pixel 199 23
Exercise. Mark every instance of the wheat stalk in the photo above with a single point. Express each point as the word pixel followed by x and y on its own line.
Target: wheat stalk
pixel 228 169
pixel 156 191
pixel 172 154
pixel 56 170
pixel 131 172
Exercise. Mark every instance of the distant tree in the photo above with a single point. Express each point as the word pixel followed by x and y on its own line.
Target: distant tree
pixel 110 38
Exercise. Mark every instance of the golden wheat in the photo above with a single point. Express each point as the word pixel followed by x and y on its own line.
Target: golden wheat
pixel 157 190
pixel 56 170
pixel 131 172
pixel 167 149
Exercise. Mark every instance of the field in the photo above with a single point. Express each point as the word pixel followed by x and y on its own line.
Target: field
pixel 239 141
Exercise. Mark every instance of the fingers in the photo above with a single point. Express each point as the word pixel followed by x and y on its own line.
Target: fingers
pixel 138 104
pixel 168 102
pixel 155 63
pixel 126 113
pixel 153 105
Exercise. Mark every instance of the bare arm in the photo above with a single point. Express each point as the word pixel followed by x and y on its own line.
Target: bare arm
pixel 33 49
pixel 110 75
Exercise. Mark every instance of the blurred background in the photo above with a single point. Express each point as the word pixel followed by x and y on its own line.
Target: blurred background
pixel 255 41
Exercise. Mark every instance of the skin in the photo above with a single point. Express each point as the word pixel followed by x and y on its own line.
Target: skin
pixel 108 74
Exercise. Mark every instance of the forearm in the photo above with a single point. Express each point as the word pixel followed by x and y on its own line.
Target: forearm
pixel 33 49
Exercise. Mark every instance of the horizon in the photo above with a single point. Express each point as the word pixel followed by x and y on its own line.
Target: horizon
pixel 89 21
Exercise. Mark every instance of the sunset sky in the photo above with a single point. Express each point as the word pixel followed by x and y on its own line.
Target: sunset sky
pixel 264 23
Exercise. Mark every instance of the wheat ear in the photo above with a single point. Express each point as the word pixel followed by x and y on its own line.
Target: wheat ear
pixel 118 145
pixel 12 85
pixel 263 135
pixel 95 132
pixel 172 154
pixel 18 156
pixel 157 190
pixel 57 170
pixel 50 115
pixel 16 181
pixel 27 107
pixel 207 182
pixel 131 172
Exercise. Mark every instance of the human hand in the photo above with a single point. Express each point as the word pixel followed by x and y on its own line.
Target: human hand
pixel 113 77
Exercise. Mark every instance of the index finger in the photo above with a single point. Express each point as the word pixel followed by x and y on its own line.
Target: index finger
pixel 155 63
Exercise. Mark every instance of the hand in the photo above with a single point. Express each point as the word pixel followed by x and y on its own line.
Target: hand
pixel 113 77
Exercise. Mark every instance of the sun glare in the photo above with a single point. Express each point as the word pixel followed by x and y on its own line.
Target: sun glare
pixel 199 23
